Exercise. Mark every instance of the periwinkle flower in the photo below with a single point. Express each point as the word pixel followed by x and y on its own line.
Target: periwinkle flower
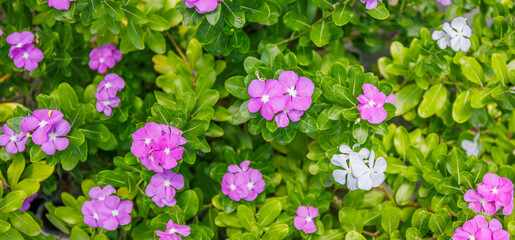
pixel 500 190
pixel 18 40
pixel 471 147
pixel 266 96
pixel 372 102
pixel 110 86
pixel 478 228
pixel 391 99
pixel 167 150
pixel 255 184
pixel 26 203
pixel 41 120
pixel 100 194
pixel 203 6
pixel 242 182
pixel 298 90
pixel 91 215
pixel 163 186
pixel 479 204
pixel 106 105
pixel 115 212
pixel 283 117
pixel 104 57
pixel 234 186
pixel 143 137
pixel 59 129
pixel 455 35
pixel 244 166
pixel 304 221
pixel 371 175
pixel 173 231
pixel 27 57
pixel 371 4
pixel 60 4
pixel 340 160
pixel 13 142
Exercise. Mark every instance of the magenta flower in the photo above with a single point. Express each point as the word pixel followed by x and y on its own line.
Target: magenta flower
pixel 167 150
pixel 104 57
pixel 371 107
pixel 391 99
pixel 244 166
pixel 299 90
pixel 163 186
pixel 91 215
pixel 283 118
pixel 111 85
pixel 478 228
pixel 106 106
pixel 479 204
pixel 304 219
pixel 59 129
pixel 60 4
pixel 445 2
pixel 27 57
pixel 143 138
pixel 266 96
pixel 371 4
pixel 255 184
pixel 18 40
pixel 13 142
pixel 100 194
pixel 173 230
pixel 41 120
pixel 500 190
pixel 235 186
pixel 115 212
pixel 203 6
pixel 26 203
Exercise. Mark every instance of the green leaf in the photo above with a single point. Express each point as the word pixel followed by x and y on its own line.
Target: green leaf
pixel 500 68
pixel 438 222
pixel 352 235
pixel 79 234
pixel 24 223
pixel 413 234
pixel 269 212
pixel 320 34
pixel 29 186
pixel 233 14
pixel 69 215
pixel 11 234
pixel 390 219
pixel 350 219
pixel 472 70
pixel 108 177
pixel 38 171
pixel 401 141
pixel 407 98
pixel 447 186
pixel 135 35
pixel 342 14
pixel 405 193
pixel 246 217
pixel 380 12
pixel 67 99
pixel 296 21
pixel 12 201
pixel 114 10
pixel 213 16
pixel 207 33
pixel 420 220
pixel 433 100
pixel 96 131
pixel 155 41
pixel 456 163
pixel 15 169
pixel 157 23
pixel 255 10
pixel 461 109
pixel 189 203
pixel 135 15
pixel 360 132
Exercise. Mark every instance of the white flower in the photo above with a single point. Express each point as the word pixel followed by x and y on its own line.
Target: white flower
pixel 371 175
pixel 472 148
pixel 340 160
pixel 460 32
pixel 443 38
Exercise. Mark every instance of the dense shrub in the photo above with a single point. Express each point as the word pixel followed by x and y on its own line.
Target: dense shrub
pixel 257 119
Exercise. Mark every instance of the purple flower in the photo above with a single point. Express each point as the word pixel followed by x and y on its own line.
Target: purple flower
pixel 391 99
pixel 100 194
pixel 27 57
pixel 106 105
pixel 163 186
pixel 167 150
pixel 500 190
pixel 41 120
pixel 172 231
pixel 18 40
pixel 304 219
pixel 244 166
pixel 298 90
pixel 255 184
pixel 371 107
pixel 371 4
pixel 60 4
pixel 114 212
pixel 203 6
pixel 266 96
pixel 91 215
pixel 478 228
pixel 111 85
pixel 143 137
pixel 59 129
pixel 104 57
pixel 445 2
pixel 282 119
pixel 26 203
pixel 479 204
pixel 235 186
pixel 13 142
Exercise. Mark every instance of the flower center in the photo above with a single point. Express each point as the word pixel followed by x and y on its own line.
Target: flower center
pixel 250 185
pixel 232 187
pixel 371 170
pixel 18 45
pixel 13 138
pixel 108 85
pixel 446 35
pixel 147 141
pixel 292 92
pixel 483 201
pixel 494 191
pixel 43 123
pixel 101 198
pixel 371 103
pixel 95 216
pixel 172 231
pixel 151 158
pixel 25 55
pixel 265 98
pixel 348 170
pixel 309 219
pixel 472 237
pixel 115 212
pixel 286 110
pixel 52 136
pixel 459 34
pixel 106 102
pixel 167 150
pixel 101 60
pixel 167 183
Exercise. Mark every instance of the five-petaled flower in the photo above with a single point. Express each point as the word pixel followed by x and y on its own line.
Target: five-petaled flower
pixel 104 57
pixel 106 211
pixel 479 229
pixel 304 221
pixel 455 35
pixel 340 160
pixel 60 4
pixel 266 96
pixel 203 6
pixel 173 231
pixel 372 102
pixel 371 175
pixel 48 126
pixel 163 186
pixel 13 142
pixel 242 182
pixel 24 54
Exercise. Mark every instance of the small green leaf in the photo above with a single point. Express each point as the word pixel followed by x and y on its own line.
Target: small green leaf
pixel 350 219
pixel 269 212
pixel 390 219
pixel 189 203
pixel 246 217
pixel 320 34
pixel 461 109
pixel 15 169
pixel 12 201
pixel 380 12
pixel 472 70
pixel 24 223
pixel 500 68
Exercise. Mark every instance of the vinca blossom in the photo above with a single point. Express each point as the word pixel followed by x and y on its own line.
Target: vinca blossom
pixel 479 204
pixel 173 231
pixel 60 4
pixel 298 92
pixel 203 6
pixel 106 93
pixel 163 186
pixel 49 130
pixel 340 160
pixel 26 203
pixel 59 129
pixel 492 194
pixel 100 194
pixel 266 96
pixel 371 4
pixel 478 228
pixel 18 40
pixel 304 221
pixel 243 182
pixel 13 142
pixel 104 57
pixel 371 175
pixel 372 102
pixel 23 53
pixel 454 35
pixel 471 147
pixel 106 211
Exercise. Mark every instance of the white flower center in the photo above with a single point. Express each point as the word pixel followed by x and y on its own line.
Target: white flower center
pixel 459 34
pixel 472 237
pixel 101 198
pixel 43 123
pixel 232 187
pixel 13 138
pixel 25 55
pixel 250 185
pixel 483 201
pixel 115 212
pixel 172 231
pixel 348 170
pixel 309 219
pixel 106 102
pixel 52 136
pixel 371 103
pixel 292 92
pixel 265 98
pixel 147 141
pixel 95 216
pixel 371 170
pixel 108 85
pixel 167 183
pixel 151 158
pixel 446 35
pixel 494 191
pixel 101 60
pixel 167 150
pixel 18 45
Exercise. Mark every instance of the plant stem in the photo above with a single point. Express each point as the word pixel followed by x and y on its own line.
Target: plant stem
pixel 387 194
pixel 183 56
pixel 5 77
pixel 370 234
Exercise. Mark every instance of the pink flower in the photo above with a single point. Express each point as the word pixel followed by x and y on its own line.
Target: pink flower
pixel 167 150
pixel 173 230
pixel 143 137
pixel 26 203
pixel 91 215
pixel 479 204
pixel 371 107
pixel 104 57
pixel 42 121
pixel 163 186
pixel 478 228
pixel 27 57
pixel 371 4
pixel 299 90
pixel 500 190
pixel 114 213
pixel 235 186
pixel 266 96
pixel 244 166
pixel 242 182
pixel 304 219
pixel 391 99
pixel 59 129
pixel 13 142
pixel 202 6
pixel 18 40
pixel 255 184
pixel 60 4
pixel 100 194
pixel 106 105
pixel 282 119
pixel 110 86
